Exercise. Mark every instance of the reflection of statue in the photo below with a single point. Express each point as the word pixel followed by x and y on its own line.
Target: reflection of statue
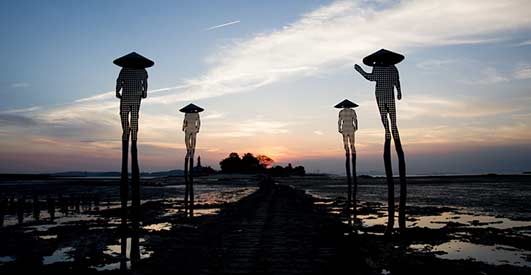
pixel 132 81
pixel 347 125
pixel 191 125
pixel 133 233
pixel 385 74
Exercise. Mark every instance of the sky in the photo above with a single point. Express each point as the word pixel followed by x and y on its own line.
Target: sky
pixel 268 74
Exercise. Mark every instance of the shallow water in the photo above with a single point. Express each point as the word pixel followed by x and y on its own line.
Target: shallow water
pixel 7 259
pixel 165 226
pixel 59 255
pixel 491 254
pixel 116 251
pixel 440 221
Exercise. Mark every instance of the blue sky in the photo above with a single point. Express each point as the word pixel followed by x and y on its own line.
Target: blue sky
pixel 268 82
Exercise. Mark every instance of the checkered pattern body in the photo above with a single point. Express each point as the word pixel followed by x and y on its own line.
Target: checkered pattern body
pixel 386 78
pixel 133 83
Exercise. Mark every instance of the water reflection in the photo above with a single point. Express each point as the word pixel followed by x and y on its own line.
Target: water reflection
pixel 129 250
pixel 442 220
pixel 20 210
pixel 491 254
pixel 59 255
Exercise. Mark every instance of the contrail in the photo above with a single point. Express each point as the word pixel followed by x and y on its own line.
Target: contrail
pixel 222 25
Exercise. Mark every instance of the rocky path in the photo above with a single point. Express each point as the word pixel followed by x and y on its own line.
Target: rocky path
pixel 276 230
pixel 284 235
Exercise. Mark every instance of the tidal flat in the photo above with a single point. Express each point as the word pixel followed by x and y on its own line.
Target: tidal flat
pixel 480 224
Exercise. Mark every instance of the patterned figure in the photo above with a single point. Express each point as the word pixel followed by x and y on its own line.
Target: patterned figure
pixel 347 125
pixel 133 83
pixel 385 74
pixel 191 125
pixel 386 78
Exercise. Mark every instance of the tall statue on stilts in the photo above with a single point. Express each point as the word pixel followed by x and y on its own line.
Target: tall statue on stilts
pixel 347 125
pixel 385 74
pixel 191 125
pixel 132 82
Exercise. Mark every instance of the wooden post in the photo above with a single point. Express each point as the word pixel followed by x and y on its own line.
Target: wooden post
pixel 349 183
pixel 135 176
pixel 390 187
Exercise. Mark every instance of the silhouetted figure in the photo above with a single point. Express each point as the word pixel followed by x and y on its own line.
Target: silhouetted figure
pixel 50 201
pixel 347 125
pixel 191 125
pixel 36 208
pixel 3 210
pixel 21 204
pixel 97 203
pixel 385 74
pixel 132 81
pixel 63 205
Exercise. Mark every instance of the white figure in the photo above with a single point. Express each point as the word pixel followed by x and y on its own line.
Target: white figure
pixel 191 125
pixel 347 125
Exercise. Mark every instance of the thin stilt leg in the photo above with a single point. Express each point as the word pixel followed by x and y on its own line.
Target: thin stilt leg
pixel 191 183
pixel 403 185
pixel 390 187
pixel 349 189
pixel 135 176
pixel 124 181
pixel 355 186
pixel 186 187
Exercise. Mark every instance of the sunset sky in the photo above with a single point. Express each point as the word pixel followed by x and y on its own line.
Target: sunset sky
pixel 268 74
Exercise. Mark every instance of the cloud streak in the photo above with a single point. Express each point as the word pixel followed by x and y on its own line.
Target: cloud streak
pixel 222 25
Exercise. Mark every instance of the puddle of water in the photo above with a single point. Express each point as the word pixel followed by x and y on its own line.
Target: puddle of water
pixel 7 259
pixel 115 251
pixel 491 254
pixel 197 212
pixel 324 203
pixel 59 222
pixel 475 221
pixel 440 221
pixel 59 255
pixel 206 211
pixel 47 237
pixel 165 226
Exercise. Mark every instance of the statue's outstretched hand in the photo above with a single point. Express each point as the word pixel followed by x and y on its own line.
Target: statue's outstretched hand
pixel 399 96
pixel 118 95
pixel 358 68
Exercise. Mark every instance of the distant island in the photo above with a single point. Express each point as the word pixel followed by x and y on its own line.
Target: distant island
pixel 250 164
pixel 232 164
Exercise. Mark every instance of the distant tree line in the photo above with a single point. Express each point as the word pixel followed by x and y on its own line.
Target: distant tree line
pixel 250 164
